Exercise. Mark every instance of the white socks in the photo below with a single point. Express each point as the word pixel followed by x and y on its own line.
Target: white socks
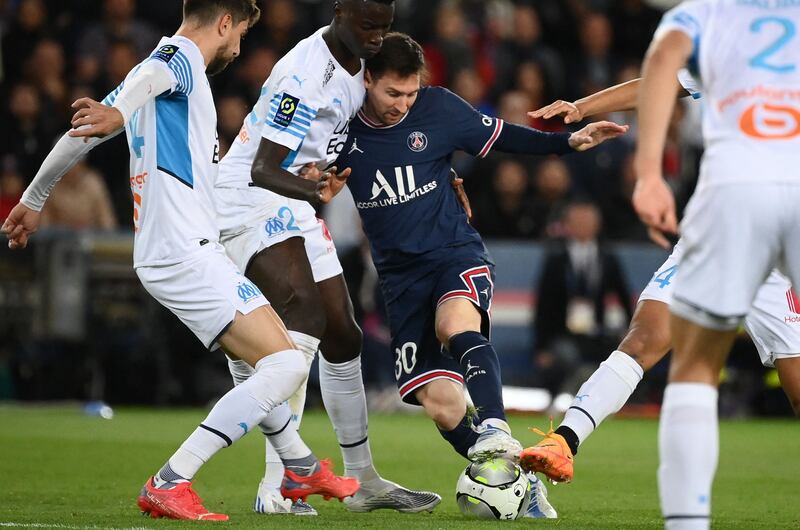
pixel 603 394
pixel 309 346
pixel 274 379
pixel 688 442
pixel 344 398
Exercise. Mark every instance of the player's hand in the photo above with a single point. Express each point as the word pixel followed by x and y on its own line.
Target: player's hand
pixel 21 223
pixel 458 185
pixel 94 120
pixel 595 134
pixel 655 205
pixel 331 183
pixel 658 237
pixel 570 111
pixel 310 171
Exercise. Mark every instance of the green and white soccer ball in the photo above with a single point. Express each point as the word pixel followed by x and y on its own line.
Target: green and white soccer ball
pixel 494 489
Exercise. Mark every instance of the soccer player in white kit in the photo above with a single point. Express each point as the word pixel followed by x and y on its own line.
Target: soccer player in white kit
pixel 166 107
pixel 770 322
pixel 302 117
pixel 741 222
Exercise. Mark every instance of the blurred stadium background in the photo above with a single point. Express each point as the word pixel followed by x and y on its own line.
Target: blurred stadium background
pixel 76 325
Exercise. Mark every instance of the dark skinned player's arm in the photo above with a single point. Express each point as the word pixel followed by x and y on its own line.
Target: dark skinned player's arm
pixel 267 173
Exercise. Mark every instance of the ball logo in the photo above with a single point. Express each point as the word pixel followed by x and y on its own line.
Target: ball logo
pixel 287 105
pixel 417 141
pixel 519 490
pixel 764 121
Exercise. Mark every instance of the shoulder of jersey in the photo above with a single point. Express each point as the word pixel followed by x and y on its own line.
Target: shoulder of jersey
pixel 306 63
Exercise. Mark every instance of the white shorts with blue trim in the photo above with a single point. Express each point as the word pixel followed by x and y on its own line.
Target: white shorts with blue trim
pixel 205 291
pixel 773 321
pixel 252 219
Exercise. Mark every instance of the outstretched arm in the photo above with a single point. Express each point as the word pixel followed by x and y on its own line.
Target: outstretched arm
pixel 613 99
pixel 94 123
pixel 652 198
pixel 524 140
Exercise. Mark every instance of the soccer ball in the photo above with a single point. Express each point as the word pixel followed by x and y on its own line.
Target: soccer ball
pixel 494 489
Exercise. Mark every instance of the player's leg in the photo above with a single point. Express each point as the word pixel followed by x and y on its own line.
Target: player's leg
pixel 710 301
pixel 285 274
pixel 342 387
pixel 789 373
pixel 688 463
pixel 773 325
pixel 444 403
pixel 220 305
pixel 604 393
pixel 462 326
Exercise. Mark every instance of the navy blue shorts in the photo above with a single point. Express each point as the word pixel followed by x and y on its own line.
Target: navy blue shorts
pixel 418 356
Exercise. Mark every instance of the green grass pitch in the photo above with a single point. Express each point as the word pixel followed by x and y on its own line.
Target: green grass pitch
pixel 61 469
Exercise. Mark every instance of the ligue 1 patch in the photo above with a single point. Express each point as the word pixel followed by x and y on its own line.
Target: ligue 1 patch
pixel 166 52
pixel 286 109
pixel 417 141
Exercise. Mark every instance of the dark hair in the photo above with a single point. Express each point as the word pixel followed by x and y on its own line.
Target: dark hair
pixel 400 54
pixel 207 11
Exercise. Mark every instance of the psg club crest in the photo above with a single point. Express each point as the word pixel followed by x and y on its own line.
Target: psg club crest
pixel 417 141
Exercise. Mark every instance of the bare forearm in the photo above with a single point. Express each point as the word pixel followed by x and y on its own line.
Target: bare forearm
pixel 283 183
pixel 656 101
pixel 616 98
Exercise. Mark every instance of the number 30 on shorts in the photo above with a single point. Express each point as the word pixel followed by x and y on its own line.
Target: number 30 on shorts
pixel 406 359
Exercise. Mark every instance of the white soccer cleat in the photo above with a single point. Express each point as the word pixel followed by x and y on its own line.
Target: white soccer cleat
pixel 380 494
pixel 539 507
pixel 495 443
pixel 270 501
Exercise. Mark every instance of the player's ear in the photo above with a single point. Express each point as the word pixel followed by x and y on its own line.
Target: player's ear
pixel 225 24
pixel 368 81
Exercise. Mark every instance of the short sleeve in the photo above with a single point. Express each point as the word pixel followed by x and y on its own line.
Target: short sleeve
pixel 689 18
pixel 689 83
pixel 292 109
pixel 471 131
pixel 174 61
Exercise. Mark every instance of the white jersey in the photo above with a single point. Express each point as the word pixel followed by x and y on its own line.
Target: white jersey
pixel 746 59
pixel 174 157
pixel 306 105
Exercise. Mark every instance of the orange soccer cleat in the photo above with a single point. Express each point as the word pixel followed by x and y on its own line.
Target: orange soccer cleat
pixel 323 482
pixel 551 456
pixel 180 502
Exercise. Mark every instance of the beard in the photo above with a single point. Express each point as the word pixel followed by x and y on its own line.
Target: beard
pixel 218 64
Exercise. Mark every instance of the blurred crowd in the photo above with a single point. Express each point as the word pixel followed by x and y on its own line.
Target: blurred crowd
pixel 505 57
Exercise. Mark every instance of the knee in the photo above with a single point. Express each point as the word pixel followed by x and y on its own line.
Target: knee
pixel 446 406
pixel 448 327
pixel 342 341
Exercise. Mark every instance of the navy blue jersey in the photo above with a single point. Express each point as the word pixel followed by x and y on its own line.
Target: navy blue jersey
pixel 401 175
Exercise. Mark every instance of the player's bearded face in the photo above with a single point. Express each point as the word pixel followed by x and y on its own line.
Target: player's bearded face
pixel 390 97
pixel 229 50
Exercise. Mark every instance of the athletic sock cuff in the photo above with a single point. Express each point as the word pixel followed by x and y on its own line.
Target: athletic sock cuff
pixel 625 367
pixel 683 394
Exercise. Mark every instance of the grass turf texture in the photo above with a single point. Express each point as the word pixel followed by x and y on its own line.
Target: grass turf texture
pixel 64 469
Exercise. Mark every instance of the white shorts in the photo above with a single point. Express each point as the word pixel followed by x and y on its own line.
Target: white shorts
pixel 204 292
pixel 733 236
pixel 252 219
pixel 774 318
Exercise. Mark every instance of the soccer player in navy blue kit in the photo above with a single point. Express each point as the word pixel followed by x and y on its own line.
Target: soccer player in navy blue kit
pixel 435 273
